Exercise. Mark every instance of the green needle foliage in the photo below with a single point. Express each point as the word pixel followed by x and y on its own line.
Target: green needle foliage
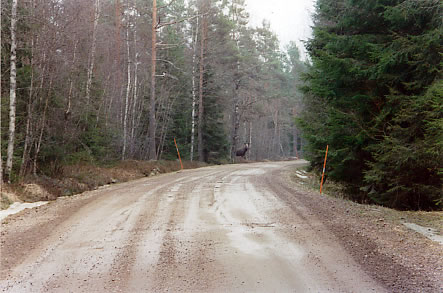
pixel 374 94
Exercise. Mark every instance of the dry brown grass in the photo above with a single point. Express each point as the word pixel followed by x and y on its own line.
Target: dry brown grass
pixel 423 218
pixel 82 177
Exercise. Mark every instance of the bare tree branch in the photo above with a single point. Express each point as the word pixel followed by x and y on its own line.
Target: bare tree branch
pixel 160 25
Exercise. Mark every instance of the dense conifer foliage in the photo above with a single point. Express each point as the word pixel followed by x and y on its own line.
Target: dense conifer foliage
pixel 374 93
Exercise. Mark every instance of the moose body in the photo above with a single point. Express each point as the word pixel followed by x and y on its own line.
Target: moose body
pixel 242 152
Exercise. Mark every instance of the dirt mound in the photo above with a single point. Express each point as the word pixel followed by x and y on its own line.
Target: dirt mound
pixel 7 197
pixel 34 192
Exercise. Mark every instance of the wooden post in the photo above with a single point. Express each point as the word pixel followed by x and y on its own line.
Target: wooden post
pixel 324 166
pixel 178 153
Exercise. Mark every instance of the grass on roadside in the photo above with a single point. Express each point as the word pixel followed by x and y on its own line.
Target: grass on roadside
pixel 309 181
pixel 77 178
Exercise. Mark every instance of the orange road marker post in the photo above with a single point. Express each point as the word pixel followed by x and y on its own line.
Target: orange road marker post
pixel 178 153
pixel 324 166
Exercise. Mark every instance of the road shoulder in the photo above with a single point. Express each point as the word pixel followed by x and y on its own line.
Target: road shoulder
pixel 399 258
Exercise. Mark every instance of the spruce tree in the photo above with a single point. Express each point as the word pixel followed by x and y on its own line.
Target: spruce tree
pixel 374 95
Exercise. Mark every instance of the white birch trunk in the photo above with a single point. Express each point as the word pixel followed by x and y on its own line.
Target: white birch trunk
pixel 135 98
pixel 200 102
pixel 12 91
pixel 194 97
pixel 128 89
pixel 134 105
pixel 93 49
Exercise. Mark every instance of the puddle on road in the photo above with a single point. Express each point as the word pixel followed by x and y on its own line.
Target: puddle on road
pixel 428 232
pixel 18 207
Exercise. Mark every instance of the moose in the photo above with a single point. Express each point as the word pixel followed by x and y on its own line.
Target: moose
pixel 242 152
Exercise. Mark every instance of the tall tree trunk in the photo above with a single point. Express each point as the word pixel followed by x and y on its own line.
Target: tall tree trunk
pixel 12 91
pixel 248 156
pixel 135 98
pixel 42 128
pixel 200 105
pixel 128 89
pixel 152 122
pixel 117 31
pixel 102 101
pixel 235 126
pixel 71 84
pixel 276 142
pixel 25 156
pixel 295 134
pixel 194 98
pixel 295 141
pixel 117 84
pixel 165 127
pixel 1 157
pixel 29 133
pixel 236 82
pixel 134 105
pixel 93 49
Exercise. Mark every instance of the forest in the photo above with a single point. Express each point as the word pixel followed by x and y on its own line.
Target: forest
pixel 104 80
pixel 100 80
pixel 373 93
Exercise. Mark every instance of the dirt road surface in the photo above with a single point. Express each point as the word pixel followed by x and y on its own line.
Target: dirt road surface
pixel 234 228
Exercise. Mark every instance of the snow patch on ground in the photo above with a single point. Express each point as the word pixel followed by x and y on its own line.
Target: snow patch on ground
pixel 301 174
pixel 428 232
pixel 18 207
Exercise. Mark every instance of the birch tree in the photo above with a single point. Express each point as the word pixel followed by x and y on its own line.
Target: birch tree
pixel 194 96
pixel 12 91
pixel 128 84
pixel 135 97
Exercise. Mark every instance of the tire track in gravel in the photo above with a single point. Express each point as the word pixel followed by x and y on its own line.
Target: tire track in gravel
pixel 148 217
pixel 170 256
pixel 45 220
pixel 74 252
pixel 254 254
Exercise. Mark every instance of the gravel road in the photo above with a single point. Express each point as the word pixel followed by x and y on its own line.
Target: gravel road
pixel 233 228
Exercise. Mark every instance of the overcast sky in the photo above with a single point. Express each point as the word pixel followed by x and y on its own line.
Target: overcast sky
pixel 289 19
